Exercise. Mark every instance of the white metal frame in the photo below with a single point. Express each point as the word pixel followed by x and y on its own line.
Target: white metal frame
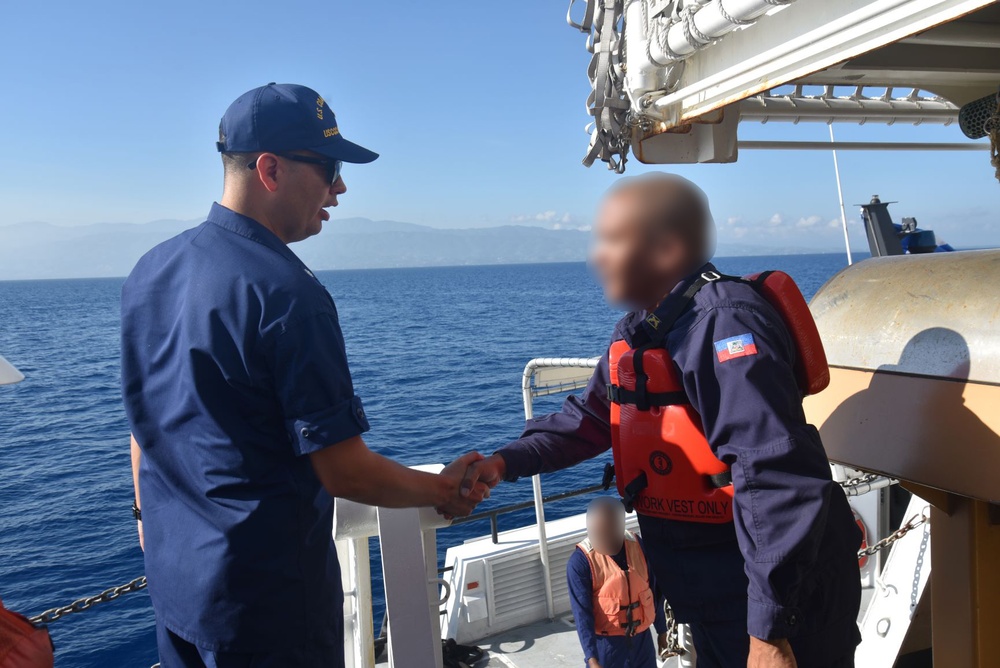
pixel 409 572
pixel 898 591
pixel 858 106
pixel 803 38
pixel 535 384
pixel 752 144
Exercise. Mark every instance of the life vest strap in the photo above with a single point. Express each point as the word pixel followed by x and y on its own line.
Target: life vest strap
pixel 658 323
pixel 632 490
pixel 635 487
pixel 619 395
pixel 720 480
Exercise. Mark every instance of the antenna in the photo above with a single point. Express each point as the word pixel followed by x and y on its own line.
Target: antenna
pixel 840 197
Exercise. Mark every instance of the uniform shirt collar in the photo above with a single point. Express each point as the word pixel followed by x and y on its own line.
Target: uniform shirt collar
pixel 635 319
pixel 249 228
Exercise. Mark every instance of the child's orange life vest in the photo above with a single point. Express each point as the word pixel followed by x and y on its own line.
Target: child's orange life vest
pixel 622 600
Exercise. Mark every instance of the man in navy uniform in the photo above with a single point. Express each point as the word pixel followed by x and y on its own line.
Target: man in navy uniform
pixel 613 593
pixel 777 585
pixel 244 418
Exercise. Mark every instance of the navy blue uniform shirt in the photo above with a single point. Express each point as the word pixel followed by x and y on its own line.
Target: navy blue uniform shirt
pixel 610 651
pixel 233 371
pixel 788 562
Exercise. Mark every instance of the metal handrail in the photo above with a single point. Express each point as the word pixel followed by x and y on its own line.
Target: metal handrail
pixel 492 515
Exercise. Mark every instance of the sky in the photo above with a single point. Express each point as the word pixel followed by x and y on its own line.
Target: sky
pixel 109 112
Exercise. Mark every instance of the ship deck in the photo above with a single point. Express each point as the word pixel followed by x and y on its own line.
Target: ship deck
pixel 546 644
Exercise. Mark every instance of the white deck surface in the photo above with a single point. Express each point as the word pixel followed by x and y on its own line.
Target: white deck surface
pixel 549 644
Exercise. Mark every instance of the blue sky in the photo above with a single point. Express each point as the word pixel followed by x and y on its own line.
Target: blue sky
pixel 110 109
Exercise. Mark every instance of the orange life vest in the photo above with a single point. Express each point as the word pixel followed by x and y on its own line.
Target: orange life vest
pixel 664 466
pixel 622 600
pixel 23 645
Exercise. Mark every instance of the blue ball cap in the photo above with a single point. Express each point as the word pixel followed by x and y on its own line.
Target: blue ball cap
pixel 286 117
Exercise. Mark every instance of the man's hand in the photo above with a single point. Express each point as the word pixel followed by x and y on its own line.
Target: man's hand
pixel 488 471
pixel 771 654
pixel 593 663
pixel 463 501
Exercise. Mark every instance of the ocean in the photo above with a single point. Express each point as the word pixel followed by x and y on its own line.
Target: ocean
pixel 436 354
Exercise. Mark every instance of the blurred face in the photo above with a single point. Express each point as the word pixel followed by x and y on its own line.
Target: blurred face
pixel 637 261
pixel 606 530
pixel 307 193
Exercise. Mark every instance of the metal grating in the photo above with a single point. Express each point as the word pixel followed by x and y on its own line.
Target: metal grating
pixel 850 104
pixel 518 586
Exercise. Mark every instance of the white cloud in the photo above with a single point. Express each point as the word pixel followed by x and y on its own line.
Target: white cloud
pixel 776 220
pixel 810 221
pixel 552 219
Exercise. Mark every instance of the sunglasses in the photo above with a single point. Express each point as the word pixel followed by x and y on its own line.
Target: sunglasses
pixel 331 167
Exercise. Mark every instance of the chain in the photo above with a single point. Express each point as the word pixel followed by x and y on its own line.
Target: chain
pixel 857 481
pixel 82 604
pixel 866 482
pixel 673 647
pixel 913 523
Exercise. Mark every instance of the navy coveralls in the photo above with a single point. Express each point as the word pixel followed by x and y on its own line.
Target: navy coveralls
pixel 610 651
pixel 233 372
pixel 787 566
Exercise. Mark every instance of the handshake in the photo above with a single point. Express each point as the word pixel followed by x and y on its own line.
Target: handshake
pixel 468 481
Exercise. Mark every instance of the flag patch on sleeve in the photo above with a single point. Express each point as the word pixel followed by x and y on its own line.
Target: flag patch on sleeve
pixel 736 346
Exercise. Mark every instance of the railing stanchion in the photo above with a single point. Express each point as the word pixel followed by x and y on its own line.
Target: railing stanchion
pixel 536 485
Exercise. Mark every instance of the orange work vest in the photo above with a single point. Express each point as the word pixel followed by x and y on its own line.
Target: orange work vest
pixel 22 645
pixel 622 600
pixel 664 466
pixel 664 446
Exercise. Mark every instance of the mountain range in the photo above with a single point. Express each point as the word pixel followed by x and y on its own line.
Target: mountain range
pixel 43 250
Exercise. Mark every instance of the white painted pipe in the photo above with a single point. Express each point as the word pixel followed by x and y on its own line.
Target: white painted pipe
pixel 642 76
pixel 709 22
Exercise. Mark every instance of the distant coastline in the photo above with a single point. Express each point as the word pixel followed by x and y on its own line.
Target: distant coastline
pixel 718 258
pixel 35 251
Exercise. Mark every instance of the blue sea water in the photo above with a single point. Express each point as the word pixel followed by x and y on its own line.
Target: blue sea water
pixel 436 354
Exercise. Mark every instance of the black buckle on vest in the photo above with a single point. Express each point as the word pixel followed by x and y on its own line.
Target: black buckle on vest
pixel 620 396
pixel 632 491
pixel 720 480
pixel 630 624
pixel 609 475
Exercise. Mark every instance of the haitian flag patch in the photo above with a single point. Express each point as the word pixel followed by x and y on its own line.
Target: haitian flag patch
pixel 737 346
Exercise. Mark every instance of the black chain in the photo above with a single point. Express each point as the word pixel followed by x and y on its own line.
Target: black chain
pixel 82 604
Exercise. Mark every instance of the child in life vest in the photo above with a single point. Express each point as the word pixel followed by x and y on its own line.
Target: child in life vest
pixel 613 594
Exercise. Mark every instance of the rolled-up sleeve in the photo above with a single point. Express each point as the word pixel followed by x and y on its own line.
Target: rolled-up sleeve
pixel 314 386
pixel 751 408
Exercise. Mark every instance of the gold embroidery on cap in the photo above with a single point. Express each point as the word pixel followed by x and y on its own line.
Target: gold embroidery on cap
pixel 319 108
pixel 331 132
